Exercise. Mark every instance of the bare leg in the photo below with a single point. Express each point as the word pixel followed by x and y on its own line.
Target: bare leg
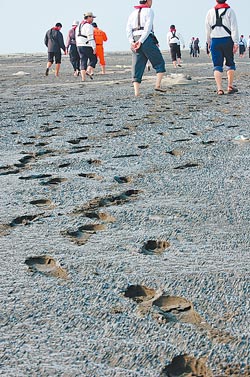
pixel 83 74
pixel 159 77
pixel 230 77
pixel 57 69
pixel 218 79
pixel 136 88
pixel 49 64
pixel 175 63
pixel 103 67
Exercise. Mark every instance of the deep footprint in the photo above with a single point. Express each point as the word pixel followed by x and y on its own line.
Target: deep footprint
pixel 46 265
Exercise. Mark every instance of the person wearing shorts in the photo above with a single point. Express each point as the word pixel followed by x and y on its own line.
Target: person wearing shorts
pixel 54 41
pixel 144 45
pixel 222 39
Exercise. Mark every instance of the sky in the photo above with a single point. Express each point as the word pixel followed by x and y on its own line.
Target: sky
pixel 23 24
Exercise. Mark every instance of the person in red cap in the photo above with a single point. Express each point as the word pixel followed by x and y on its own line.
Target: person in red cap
pixel 54 41
pixel 222 39
pixel 174 40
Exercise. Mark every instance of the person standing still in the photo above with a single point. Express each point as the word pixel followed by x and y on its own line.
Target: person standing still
pixel 174 40
pixel 144 45
pixel 86 46
pixel 54 41
pixel 100 37
pixel 72 49
pixel 222 38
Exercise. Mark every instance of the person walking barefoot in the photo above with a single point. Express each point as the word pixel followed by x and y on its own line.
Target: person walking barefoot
pixel 222 39
pixel 144 45
pixel 54 41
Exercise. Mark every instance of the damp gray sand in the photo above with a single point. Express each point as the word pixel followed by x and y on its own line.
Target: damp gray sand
pixel 124 224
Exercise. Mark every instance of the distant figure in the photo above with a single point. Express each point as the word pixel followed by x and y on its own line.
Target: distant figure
pixel 86 46
pixel 248 46
pixel 242 46
pixel 144 45
pixel 72 49
pixel 100 37
pixel 174 40
pixel 222 38
pixel 54 41
pixel 196 47
pixel 191 47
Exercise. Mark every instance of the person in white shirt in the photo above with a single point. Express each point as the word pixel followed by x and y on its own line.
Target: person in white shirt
pixel 222 39
pixel 86 46
pixel 144 45
pixel 242 46
pixel 174 40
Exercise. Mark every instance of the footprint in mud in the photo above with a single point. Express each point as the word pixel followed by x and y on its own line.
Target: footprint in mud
pixel 155 247
pixel 26 160
pixel 91 176
pixel 65 165
pixel 186 166
pixel 36 176
pixel 100 216
pixel 181 140
pixel 46 265
pixel 127 155
pixel 94 162
pixel 54 181
pixel 24 220
pixel 10 171
pixel 209 142
pixel 176 309
pixel 79 150
pixel 110 200
pixel 123 179
pixel 140 293
pixel 163 308
pixel 83 233
pixel 77 236
pixel 42 203
pixel 175 152
pixel 185 365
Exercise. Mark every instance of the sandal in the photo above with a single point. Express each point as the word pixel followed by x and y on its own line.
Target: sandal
pixel 161 90
pixel 90 75
pixel 220 92
pixel 231 90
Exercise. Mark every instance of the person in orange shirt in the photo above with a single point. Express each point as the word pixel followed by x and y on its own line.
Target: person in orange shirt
pixel 100 37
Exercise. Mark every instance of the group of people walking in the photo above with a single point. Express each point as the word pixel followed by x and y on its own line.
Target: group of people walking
pixel 84 45
pixel 221 34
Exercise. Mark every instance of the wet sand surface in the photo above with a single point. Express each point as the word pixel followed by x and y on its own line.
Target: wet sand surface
pixel 124 224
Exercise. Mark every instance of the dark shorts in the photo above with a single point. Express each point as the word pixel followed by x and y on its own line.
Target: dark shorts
pixel 222 51
pixel 175 51
pixel 148 51
pixel 87 57
pixel 55 55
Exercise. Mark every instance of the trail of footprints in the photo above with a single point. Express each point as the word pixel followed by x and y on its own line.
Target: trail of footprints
pixel 163 308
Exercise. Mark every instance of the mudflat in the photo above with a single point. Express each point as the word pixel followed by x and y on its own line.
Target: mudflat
pixel 124 224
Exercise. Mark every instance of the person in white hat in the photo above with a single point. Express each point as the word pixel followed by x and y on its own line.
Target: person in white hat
pixel 86 46
pixel 72 49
